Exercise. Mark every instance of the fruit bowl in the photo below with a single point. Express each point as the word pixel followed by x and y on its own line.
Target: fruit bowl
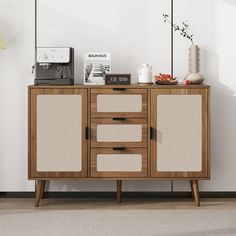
pixel 165 79
pixel 166 82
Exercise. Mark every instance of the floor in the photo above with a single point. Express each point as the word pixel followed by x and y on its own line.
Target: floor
pixel 27 204
pixel 105 217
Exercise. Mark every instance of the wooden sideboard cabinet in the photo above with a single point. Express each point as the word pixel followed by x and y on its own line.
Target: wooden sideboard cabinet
pixel 118 133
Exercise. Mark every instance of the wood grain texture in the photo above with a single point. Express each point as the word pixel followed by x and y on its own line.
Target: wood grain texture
pixel 110 121
pixel 205 136
pixel 39 191
pixel 208 123
pixel 192 191
pixel 150 120
pixel 132 86
pixel 43 189
pixel 195 190
pixel 118 178
pixel 33 133
pixel 127 91
pixel 89 136
pixel 118 174
pixel 29 132
pixel 149 132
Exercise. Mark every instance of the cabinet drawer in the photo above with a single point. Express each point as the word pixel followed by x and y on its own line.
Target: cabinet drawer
pixel 116 131
pixel 114 102
pixel 129 162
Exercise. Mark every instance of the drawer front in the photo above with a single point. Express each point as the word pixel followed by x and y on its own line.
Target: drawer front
pixel 111 132
pixel 110 163
pixel 123 103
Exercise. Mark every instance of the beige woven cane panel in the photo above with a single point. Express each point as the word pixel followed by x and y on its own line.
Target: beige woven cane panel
pixel 59 127
pixel 119 133
pixel 119 103
pixel 179 133
pixel 119 162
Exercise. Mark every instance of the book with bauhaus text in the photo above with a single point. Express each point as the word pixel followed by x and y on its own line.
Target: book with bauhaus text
pixel 96 66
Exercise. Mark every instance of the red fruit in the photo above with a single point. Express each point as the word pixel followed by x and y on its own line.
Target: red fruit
pixel 163 77
pixel 187 82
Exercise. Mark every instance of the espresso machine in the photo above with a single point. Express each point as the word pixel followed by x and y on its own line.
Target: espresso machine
pixel 54 66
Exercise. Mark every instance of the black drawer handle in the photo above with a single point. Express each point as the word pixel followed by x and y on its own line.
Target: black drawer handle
pixel 119 148
pixel 119 89
pixel 119 118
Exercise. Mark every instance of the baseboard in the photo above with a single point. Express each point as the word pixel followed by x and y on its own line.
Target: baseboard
pixel 113 194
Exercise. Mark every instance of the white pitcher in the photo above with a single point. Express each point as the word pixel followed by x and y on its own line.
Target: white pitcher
pixel 145 74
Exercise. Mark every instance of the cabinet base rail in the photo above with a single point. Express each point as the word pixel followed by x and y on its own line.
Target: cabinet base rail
pixel 40 188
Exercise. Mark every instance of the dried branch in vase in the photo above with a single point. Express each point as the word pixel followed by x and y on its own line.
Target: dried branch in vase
pixel 183 30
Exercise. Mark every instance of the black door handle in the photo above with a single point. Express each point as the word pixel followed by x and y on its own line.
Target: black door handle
pixel 87 133
pixel 151 133
pixel 119 118
pixel 119 148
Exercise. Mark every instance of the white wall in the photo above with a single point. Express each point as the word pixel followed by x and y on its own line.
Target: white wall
pixel 146 39
pixel 133 31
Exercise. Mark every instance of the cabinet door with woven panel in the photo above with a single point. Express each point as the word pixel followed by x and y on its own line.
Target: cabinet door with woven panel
pixel 180 140
pixel 57 130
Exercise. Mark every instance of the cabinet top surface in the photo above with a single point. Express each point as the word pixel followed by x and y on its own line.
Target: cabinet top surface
pixel 132 86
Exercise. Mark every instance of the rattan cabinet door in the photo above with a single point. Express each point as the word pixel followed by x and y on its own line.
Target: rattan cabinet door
pixel 57 124
pixel 179 120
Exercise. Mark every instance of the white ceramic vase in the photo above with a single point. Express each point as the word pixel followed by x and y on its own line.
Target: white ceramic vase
pixel 194 66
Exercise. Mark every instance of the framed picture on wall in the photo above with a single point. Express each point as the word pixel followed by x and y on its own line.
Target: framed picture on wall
pixel 96 66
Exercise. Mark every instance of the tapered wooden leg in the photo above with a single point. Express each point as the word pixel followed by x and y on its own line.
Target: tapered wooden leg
pixel 43 189
pixel 196 192
pixel 191 185
pixel 119 190
pixel 39 191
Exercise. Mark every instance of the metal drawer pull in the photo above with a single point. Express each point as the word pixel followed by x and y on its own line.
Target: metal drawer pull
pixel 120 89
pixel 119 148
pixel 119 118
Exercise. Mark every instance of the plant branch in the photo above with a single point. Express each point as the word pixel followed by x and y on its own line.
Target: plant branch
pixel 183 30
